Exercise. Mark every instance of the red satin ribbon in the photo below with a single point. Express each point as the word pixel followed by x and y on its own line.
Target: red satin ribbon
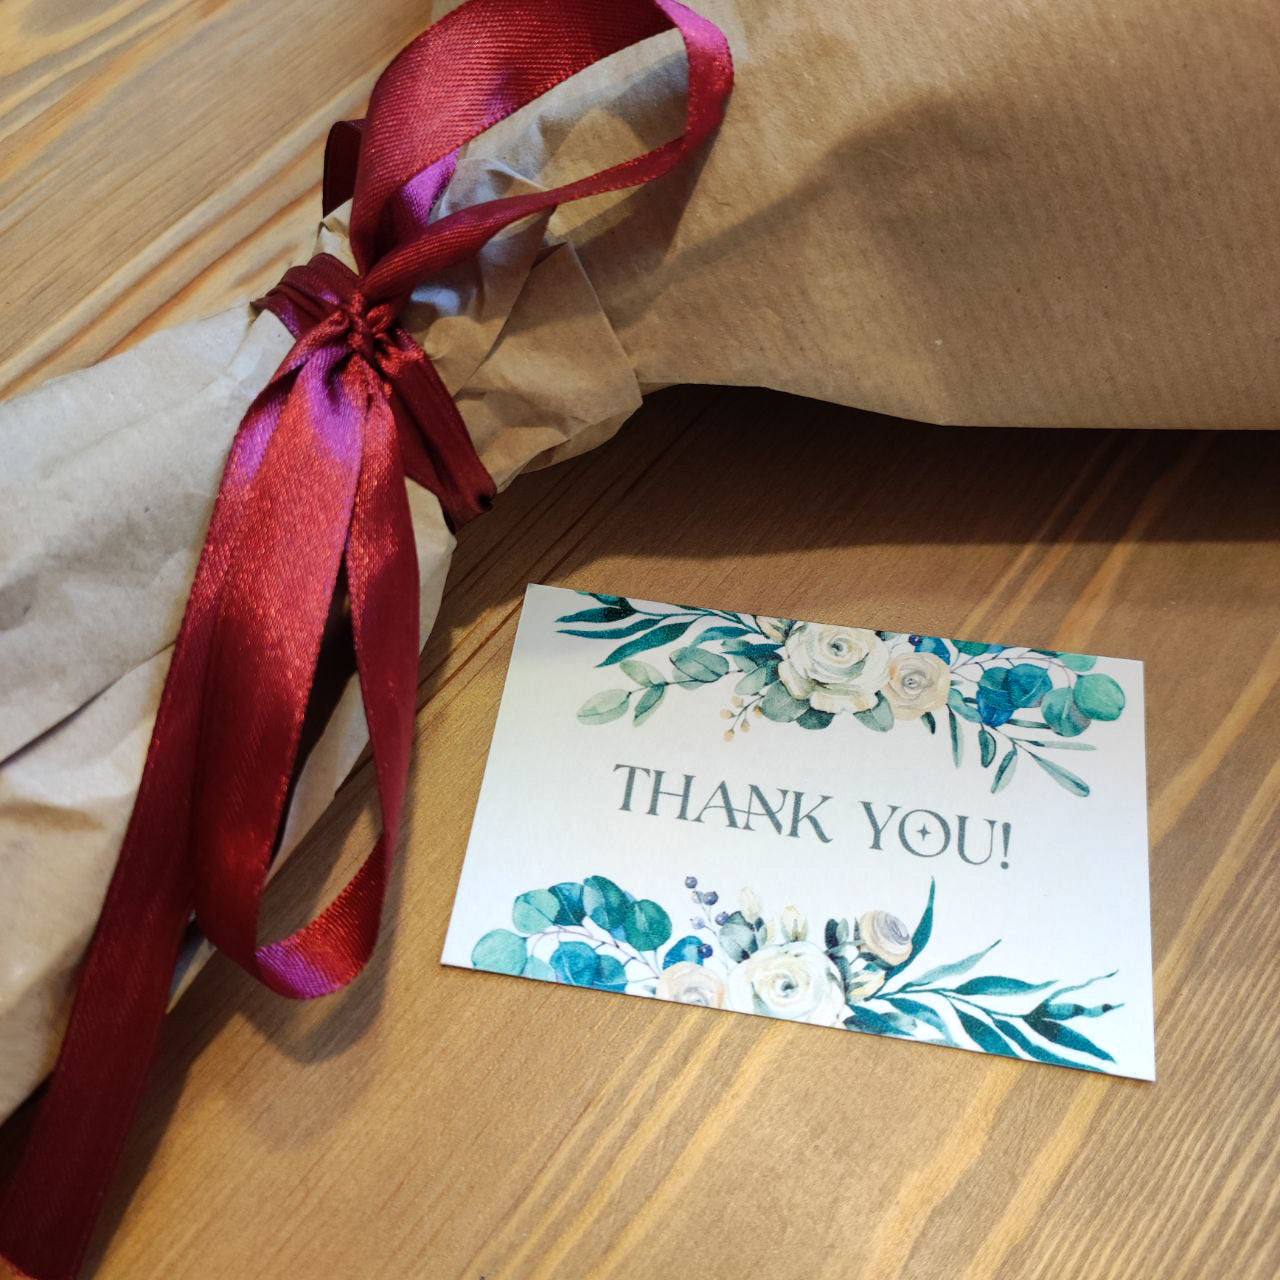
pixel 314 487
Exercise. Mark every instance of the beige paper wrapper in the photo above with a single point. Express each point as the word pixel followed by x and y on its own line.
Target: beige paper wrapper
pixel 101 523
pixel 989 211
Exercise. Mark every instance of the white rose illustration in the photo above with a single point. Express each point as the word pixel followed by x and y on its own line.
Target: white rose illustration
pixel 918 682
pixel 689 983
pixel 834 668
pixel 789 980
pixel 884 937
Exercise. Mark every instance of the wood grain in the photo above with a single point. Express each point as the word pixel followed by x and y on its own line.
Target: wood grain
pixel 433 1123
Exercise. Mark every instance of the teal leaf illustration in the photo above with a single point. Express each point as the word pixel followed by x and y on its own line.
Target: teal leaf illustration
pixel 962 706
pixel 993 985
pixel 646 926
pixel 1099 697
pixel 1062 715
pixel 923 932
pixel 879 717
pixel 1072 661
pixel 922 1013
pixel 653 639
pixel 500 951
pixel 604 902
pixel 569 894
pixel 619 930
pixel 1027 684
pixel 995 705
pixel 1063 777
pixel 750 649
pixel 643 673
pixel 581 965
pixel 1035 1050
pixel 1060 746
pixel 1079 986
pixel 986 1037
pixel 972 649
pixel 536 968
pixel 836 933
pixel 754 681
pixel 957 742
pixel 1067 1037
pixel 686 950
pixel 602 707
pixel 700 664
pixel 929 722
pixel 648 701
pixel 777 704
pixel 740 938
pixel 721 633
pixel 576 963
pixel 536 910
pixel 986 747
pixel 613 613
pixel 924 926
pixel 813 719
pixel 1077 661
pixel 1004 770
pixel 946 971
pixel 611 975
pixel 1065 1012
pixel 938 647
pixel 613 633
pixel 881 1023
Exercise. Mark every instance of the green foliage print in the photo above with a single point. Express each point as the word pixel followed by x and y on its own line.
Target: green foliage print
pixel 1000 705
pixel 867 974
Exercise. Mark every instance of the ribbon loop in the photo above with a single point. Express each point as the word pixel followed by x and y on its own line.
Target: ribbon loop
pixel 314 487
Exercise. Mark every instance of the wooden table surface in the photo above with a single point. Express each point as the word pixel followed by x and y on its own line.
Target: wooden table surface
pixel 159 158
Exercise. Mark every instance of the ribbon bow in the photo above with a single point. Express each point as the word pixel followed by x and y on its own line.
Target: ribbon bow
pixel 314 492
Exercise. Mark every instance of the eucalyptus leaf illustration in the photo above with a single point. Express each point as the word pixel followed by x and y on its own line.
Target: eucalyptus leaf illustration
pixel 500 951
pixel 1099 697
pixel 865 971
pixel 647 702
pixel 1010 702
pixel 602 707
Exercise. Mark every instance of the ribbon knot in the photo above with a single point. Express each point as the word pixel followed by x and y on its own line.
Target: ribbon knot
pixel 327 294
pixel 367 327
pixel 314 496
pixel 324 305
